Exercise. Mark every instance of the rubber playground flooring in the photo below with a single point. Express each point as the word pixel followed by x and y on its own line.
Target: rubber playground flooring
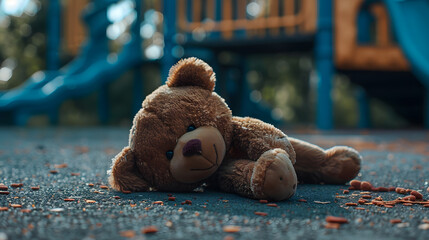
pixel 57 189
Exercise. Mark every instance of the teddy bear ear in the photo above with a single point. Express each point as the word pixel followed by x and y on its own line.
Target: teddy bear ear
pixel 192 72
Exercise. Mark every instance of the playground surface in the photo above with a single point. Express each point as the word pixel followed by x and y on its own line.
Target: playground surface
pixel 55 164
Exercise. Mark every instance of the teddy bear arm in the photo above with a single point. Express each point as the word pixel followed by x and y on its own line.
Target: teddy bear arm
pixel 271 177
pixel 252 138
pixel 125 175
pixel 235 177
pixel 336 165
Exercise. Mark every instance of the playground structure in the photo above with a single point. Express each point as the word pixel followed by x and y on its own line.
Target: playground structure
pixel 338 31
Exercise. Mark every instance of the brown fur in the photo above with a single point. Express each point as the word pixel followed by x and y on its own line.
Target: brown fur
pixel 188 99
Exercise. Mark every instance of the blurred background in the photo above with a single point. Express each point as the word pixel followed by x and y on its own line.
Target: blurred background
pixel 305 64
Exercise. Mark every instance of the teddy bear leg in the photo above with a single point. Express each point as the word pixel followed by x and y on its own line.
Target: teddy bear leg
pixel 271 177
pixel 336 165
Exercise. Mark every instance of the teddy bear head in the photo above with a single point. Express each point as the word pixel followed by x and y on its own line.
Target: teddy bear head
pixel 180 135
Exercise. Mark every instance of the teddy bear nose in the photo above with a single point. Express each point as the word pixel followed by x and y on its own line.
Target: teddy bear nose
pixel 192 147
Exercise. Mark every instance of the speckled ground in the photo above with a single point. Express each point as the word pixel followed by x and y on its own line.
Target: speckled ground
pixel 27 156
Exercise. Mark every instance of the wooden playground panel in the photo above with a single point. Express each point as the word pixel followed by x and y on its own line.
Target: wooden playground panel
pixel 275 17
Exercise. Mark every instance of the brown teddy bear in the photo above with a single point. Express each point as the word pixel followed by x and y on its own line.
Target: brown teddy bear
pixel 185 136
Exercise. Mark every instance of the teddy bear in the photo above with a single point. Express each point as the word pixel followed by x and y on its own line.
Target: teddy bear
pixel 185 137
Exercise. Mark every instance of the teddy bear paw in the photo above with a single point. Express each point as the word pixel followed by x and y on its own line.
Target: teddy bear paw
pixel 342 165
pixel 274 177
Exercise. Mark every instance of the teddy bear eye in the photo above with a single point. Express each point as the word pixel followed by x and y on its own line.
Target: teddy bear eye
pixel 169 154
pixel 191 128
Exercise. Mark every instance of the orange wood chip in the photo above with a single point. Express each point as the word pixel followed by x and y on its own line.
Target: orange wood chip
pixel 366 186
pixel 68 199
pixel 90 201
pixel 15 185
pixel 231 229
pixel 3 187
pixel 302 200
pixel 383 189
pixel 362 201
pixel 26 210
pixel 417 194
pixel 359 208
pixel 126 191
pixel 407 204
pixel 333 219
pixel 104 187
pixel 149 229
pixel 117 197
pixel 128 233
pixel 171 198
pixel 401 190
pixel 356 184
pixel 35 188
pixel 3 209
pixel 263 201
pixel 426 205
pixel 331 225
pixel 394 221
pixel 158 202
pixel 75 174
pixel 53 171
pixel 346 191
pixel 261 213
pixel 4 192
pixel 272 205
pixel 63 165
pixel 351 204
pixel 410 198
pixel 16 205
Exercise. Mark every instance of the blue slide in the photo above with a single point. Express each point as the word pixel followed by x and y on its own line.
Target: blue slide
pixel 91 70
pixel 410 21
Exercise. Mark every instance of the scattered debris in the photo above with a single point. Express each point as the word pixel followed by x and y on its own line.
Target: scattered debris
pixel 149 229
pixel 395 221
pixel 231 229
pixel 333 219
pixel 320 202
pixel 261 213
pixel 63 165
pixel 56 209
pixel 127 233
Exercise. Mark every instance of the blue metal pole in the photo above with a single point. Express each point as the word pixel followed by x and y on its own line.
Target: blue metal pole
pixel 169 11
pixel 103 106
pixel 325 65
pixel 426 110
pixel 218 16
pixel 53 41
pixel 364 111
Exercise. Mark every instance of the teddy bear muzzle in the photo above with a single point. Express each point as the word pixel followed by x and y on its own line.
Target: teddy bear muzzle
pixel 197 155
